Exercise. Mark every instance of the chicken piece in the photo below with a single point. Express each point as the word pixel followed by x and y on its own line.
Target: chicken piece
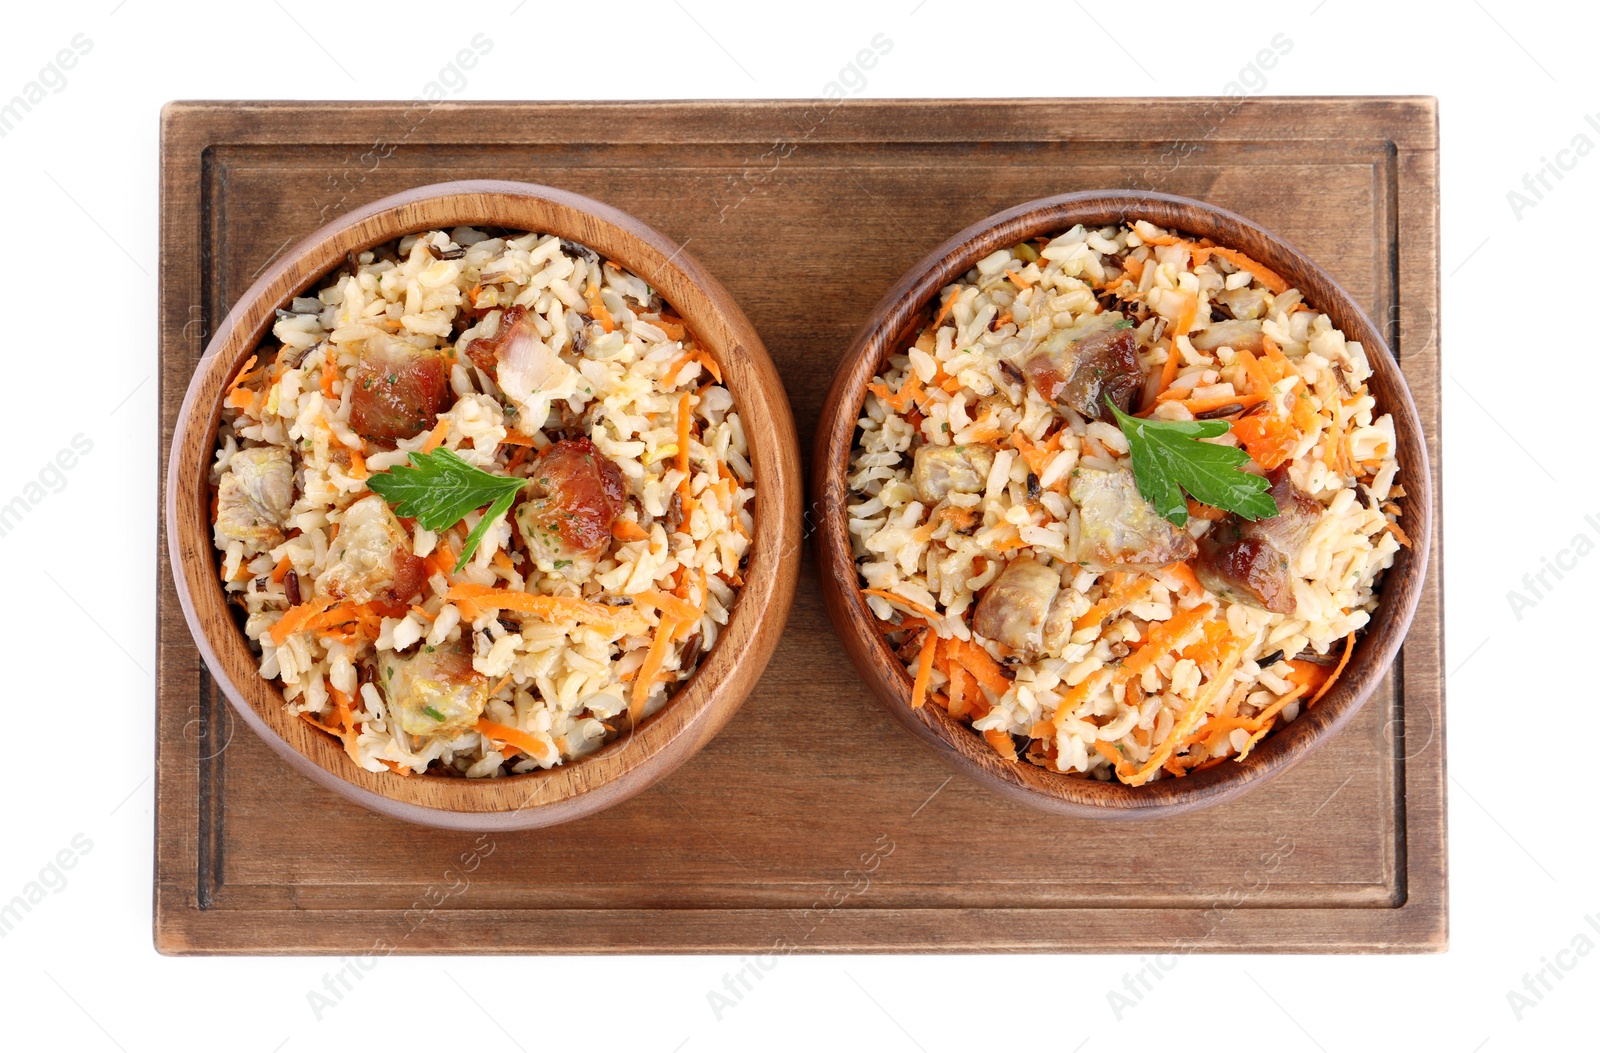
pixel 1014 607
pixel 1248 562
pixel 399 390
pixel 1080 374
pixel 254 496
pixel 372 558
pixel 530 373
pixel 1119 529
pixel 434 691
pixel 938 470
pixel 574 495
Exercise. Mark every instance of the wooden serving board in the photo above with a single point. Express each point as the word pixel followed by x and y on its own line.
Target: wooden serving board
pixel 812 823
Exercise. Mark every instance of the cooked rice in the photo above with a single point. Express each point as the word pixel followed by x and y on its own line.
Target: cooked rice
pixel 560 688
pixel 1073 706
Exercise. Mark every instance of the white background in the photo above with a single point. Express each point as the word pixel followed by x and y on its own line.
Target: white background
pixel 80 258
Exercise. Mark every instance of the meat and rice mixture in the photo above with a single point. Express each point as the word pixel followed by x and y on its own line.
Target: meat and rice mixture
pixel 473 360
pixel 1029 585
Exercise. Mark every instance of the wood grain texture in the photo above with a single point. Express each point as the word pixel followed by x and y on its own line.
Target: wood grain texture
pixel 725 675
pixel 894 324
pixel 779 832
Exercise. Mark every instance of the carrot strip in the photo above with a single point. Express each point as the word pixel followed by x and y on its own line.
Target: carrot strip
pixel 243 374
pixel 1169 370
pixel 667 604
pixel 597 308
pixel 653 660
pixel 1018 280
pixel 628 530
pixel 1191 716
pixel 1001 743
pixel 1114 600
pixel 329 370
pixel 944 309
pixel 1262 273
pixel 1161 639
pixel 281 571
pixel 550 608
pixel 910 605
pixel 710 365
pixel 984 669
pixel 1185 573
pixel 520 739
pixel 919 686
pixel 437 436
pixel 298 618
pixel 1349 647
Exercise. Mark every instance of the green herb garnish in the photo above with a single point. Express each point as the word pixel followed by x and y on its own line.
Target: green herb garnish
pixel 438 489
pixel 1169 458
pixel 1126 323
pixel 434 713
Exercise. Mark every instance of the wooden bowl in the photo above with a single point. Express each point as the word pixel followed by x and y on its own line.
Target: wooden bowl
pixel 726 674
pixel 894 324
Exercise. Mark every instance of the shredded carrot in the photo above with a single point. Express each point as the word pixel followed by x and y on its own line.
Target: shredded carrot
pixel 1161 639
pixel 329 371
pixel 910 605
pixel 244 373
pixel 341 702
pixel 442 560
pixel 520 739
pixel 1344 660
pixel 550 608
pixel 903 399
pixel 281 571
pixel 984 669
pixel 1001 742
pixel 1206 512
pixel 422 612
pixel 299 618
pixel 1036 456
pixel 683 442
pixel 597 308
pixel 955 702
pixel 1114 600
pixel 1191 716
pixel 437 436
pixel 919 686
pixel 502 563
pixel 682 360
pixel 517 438
pixel 681 610
pixel 1399 535
pixel 1265 275
pixel 358 465
pixel 396 767
pixel 628 530
pixel 1018 280
pixel 944 309
pixel 710 365
pixel 1206 405
pixel 1186 317
pixel 1169 370
pixel 672 327
pixel 1185 573
pixel 653 659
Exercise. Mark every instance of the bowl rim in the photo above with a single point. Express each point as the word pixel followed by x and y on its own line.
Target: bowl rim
pixel 697 710
pixel 891 323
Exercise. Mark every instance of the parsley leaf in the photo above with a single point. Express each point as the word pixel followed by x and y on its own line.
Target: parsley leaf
pixel 1169 458
pixel 438 489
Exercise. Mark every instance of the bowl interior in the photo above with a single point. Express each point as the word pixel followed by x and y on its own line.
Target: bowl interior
pixel 894 324
pixel 726 673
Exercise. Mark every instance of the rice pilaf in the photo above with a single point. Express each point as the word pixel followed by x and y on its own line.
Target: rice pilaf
pixel 523 362
pixel 1008 551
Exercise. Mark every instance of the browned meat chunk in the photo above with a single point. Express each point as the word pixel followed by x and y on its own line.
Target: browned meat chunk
pixel 1014 606
pixel 938 470
pixel 1248 562
pixel 372 557
pixel 1081 374
pixel 399 390
pixel 1297 516
pixel 1119 529
pixel 433 692
pixel 484 352
pixel 574 496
